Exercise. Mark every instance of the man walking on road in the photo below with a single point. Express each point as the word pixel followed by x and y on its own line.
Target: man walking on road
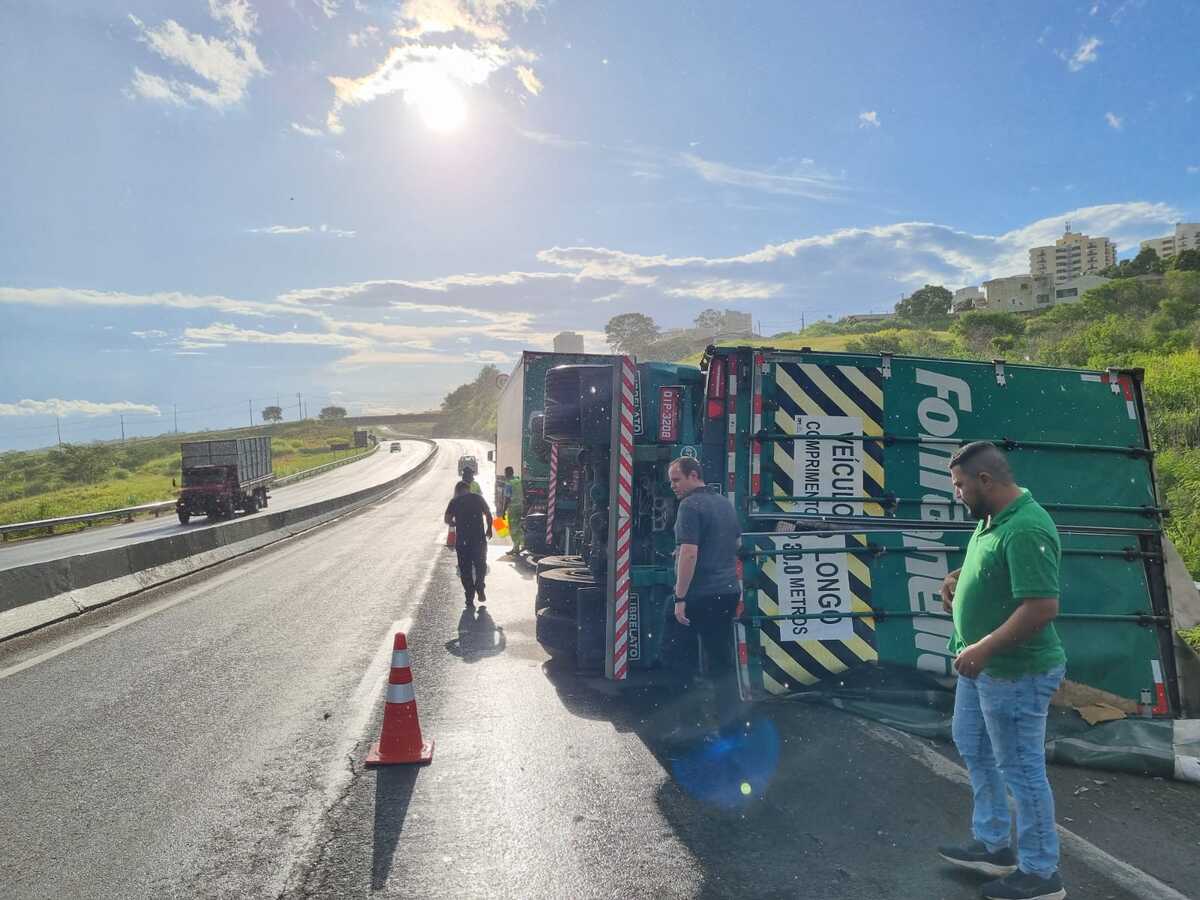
pixel 1009 662
pixel 706 583
pixel 472 520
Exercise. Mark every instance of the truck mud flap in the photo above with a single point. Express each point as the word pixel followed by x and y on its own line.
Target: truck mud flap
pixel 819 606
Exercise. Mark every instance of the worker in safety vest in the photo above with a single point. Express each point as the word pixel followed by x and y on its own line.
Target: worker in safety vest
pixel 513 509
pixel 472 484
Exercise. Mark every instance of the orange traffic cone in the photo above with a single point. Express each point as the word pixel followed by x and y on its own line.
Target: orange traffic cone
pixel 401 740
pixel 450 537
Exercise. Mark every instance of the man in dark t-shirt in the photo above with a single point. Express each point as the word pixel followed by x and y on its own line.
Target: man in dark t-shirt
pixel 472 520
pixel 707 590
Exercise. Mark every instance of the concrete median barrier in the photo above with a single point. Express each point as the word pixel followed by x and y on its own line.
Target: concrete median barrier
pixel 37 595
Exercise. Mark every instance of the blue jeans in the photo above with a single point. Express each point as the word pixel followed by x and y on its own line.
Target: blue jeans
pixel 1000 730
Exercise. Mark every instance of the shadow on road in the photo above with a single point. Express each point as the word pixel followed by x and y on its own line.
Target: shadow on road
pixel 795 802
pixel 393 790
pixel 478 636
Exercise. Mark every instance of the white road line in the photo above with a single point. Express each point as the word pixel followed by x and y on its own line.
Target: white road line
pixel 1138 883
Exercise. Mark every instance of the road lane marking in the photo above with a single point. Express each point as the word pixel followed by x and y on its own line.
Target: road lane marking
pixel 1140 884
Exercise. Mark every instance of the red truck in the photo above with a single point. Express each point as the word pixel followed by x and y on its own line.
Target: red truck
pixel 222 477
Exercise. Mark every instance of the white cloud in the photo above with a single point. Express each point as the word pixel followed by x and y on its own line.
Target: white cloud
pixel 229 65
pixel 368 35
pixel 55 407
pixel 482 19
pixel 281 229
pixel 237 14
pixel 337 232
pixel 802 182
pixel 53 298
pixel 551 140
pixel 221 334
pixel 529 80
pixel 1114 121
pixel 306 131
pixel 1193 170
pixel 1084 54
pixel 869 119
pixel 149 333
pixel 328 7
pixel 154 87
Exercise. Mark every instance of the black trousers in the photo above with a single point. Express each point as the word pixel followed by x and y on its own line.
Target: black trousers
pixel 712 617
pixel 472 565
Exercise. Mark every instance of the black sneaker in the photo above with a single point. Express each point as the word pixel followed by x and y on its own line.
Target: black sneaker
pixel 470 601
pixel 976 857
pixel 1023 886
pixel 482 596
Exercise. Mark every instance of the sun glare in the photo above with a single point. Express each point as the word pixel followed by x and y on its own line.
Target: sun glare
pixel 440 103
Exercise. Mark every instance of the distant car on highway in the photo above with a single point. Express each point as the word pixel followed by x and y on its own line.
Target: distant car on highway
pixel 395 448
pixel 468 462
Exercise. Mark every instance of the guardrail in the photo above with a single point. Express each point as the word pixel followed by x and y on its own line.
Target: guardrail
pixel 157 509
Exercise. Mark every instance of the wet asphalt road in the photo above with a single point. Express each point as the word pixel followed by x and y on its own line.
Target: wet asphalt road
pixel 375 469
pixel 212 748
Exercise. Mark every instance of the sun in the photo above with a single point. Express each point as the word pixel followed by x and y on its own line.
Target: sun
pixel 440 103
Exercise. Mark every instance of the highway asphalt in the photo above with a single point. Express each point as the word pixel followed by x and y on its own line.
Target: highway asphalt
pixel 375 469
pixel 206 740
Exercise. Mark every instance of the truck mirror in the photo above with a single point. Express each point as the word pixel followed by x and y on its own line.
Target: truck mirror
pixel 491 456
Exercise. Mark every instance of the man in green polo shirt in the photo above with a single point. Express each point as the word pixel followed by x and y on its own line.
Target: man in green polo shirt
pixel 1009 662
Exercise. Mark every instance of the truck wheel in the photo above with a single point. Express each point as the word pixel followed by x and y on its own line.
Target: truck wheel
pixel 556 633
pixel 184 516
pixel 252 504
pixel 557 587
pixel 560 562
pixel 262 500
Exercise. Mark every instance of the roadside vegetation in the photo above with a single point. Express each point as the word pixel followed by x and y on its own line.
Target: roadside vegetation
pixel 80 478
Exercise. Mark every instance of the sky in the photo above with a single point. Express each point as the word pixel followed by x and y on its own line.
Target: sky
pixel 210 206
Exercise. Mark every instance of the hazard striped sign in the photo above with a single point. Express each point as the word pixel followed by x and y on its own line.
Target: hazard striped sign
pixel 815 473
pixel 812 579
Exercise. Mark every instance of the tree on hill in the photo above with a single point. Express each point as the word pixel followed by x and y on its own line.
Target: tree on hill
pixel 272 414
pixel 986 332
pixel 83 465
pixel 471 408
pixel 1188 261
pixel 710 320
pixel 331 413
pixel 631 333
pixel 927 306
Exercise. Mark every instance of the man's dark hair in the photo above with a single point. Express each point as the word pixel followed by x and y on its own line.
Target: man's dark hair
pixel 508 470
pixel 983 456
pixel 461 488
pixel 688 466
pixel 468 473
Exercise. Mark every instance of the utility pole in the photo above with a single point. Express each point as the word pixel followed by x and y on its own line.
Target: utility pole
pixel 250 406
pixel 122 428
pixel 175 413
pixel 58 428
pixel 299 406
pixel 801 321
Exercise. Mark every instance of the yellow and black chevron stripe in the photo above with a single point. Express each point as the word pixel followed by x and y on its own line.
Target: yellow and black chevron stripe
pixel 807 389
pixel 790 666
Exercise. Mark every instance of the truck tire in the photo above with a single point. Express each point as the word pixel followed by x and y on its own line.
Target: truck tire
pixel 559 562
pixel 556 633
pixel 251 504
pixel 262 498
pixel 184 516
pixel 557 587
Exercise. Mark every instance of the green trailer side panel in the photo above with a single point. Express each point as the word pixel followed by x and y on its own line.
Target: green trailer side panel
pixel 829 584
pixel 1095 474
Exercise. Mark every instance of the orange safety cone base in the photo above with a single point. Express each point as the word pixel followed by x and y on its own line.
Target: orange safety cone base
pixel 450 537
pixel 375 758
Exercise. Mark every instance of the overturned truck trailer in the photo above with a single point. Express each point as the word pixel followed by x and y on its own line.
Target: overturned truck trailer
pixel 838 467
